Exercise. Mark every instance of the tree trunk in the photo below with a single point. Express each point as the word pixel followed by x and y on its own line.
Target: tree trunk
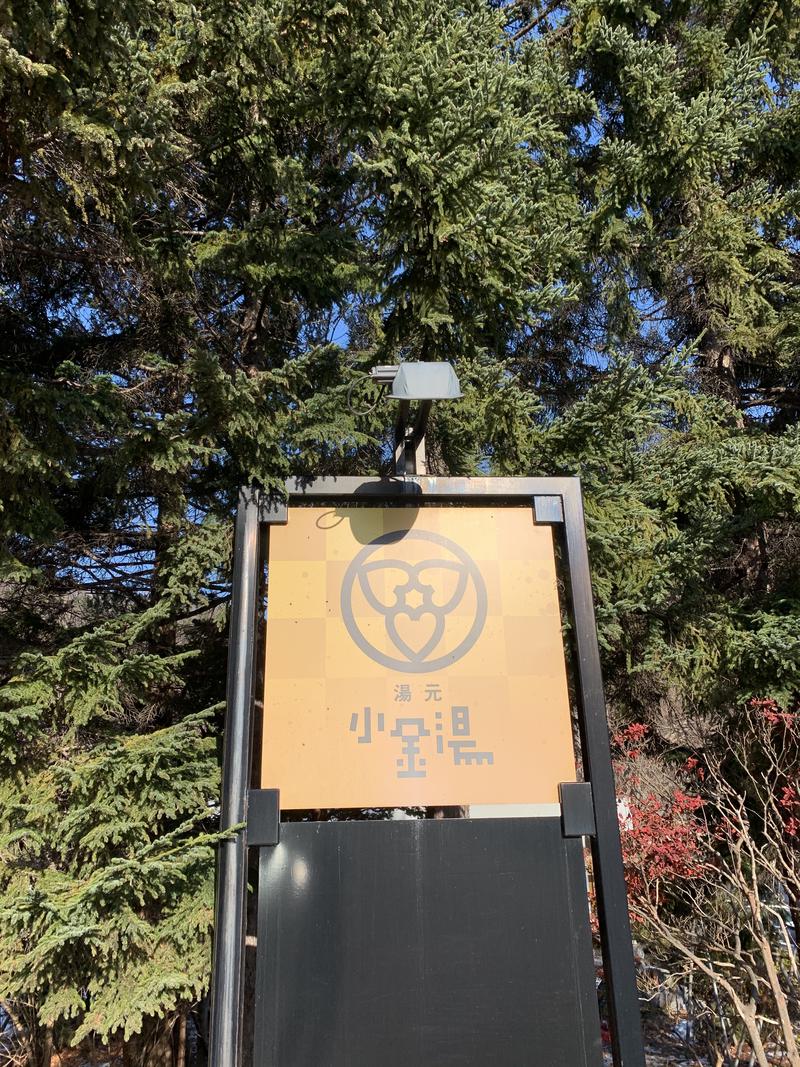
pixel 780 1003
pixel 180 1056
pixel 46 1046
pixel 747 1013
pixel 152 1047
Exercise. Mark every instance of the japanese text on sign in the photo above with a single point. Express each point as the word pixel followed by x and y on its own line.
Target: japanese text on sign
pixel 413 732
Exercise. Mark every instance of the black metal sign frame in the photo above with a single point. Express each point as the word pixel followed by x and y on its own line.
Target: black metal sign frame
pixel 555 501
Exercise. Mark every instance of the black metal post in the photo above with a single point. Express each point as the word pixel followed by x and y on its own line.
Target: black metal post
pixel 229 931
pixel 409 450
pixel 609 874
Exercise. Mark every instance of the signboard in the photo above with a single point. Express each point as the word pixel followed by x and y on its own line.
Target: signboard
pixel 414 657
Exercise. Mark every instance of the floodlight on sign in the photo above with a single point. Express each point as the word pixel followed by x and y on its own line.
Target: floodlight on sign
pixel 418 384
pixel 425 381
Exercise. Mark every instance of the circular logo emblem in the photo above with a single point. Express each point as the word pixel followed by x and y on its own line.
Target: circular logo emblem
pixel 414 615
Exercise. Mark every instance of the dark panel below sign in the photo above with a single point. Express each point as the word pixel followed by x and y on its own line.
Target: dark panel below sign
pixel 425 944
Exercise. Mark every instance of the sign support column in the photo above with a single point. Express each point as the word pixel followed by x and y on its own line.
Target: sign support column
pixel 609 873
pixel 231 893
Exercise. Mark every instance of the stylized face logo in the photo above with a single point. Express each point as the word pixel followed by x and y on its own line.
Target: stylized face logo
pixel 433 610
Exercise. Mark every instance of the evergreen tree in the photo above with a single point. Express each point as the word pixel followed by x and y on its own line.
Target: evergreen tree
pixel 214 219
pixel 672 385
pixel 670 381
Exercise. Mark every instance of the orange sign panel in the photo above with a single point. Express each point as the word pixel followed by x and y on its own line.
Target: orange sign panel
pixel 414 657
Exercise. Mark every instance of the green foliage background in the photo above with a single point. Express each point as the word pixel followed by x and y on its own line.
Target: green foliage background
pixel 213 218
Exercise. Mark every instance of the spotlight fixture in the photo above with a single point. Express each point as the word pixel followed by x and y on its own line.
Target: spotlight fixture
pixel 420 384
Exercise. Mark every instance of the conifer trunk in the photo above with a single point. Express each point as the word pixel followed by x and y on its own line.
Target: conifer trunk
pixel 152 1047
pixel 180 1056
pixel 46 1053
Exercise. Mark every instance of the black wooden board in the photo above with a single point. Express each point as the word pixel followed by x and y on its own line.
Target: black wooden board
pixel 425 944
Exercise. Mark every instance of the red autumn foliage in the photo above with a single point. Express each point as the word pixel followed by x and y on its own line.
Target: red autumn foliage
pixel 779 733
pixel 661 834
pixel 789 801
pixel 773 714
pixel 660 842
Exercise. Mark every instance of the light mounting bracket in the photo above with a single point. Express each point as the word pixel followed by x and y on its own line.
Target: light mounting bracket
pixel 420 384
